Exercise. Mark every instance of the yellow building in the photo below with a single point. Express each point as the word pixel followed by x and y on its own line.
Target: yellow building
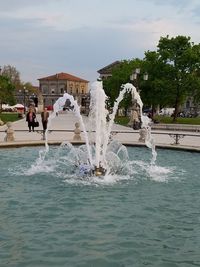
pixel 54 86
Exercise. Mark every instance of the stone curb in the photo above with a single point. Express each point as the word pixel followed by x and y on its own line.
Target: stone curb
pixel 132 144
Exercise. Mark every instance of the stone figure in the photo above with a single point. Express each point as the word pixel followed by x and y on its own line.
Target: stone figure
pixel 77 132
pixel 9 133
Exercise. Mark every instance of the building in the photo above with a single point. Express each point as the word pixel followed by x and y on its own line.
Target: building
pixel 106 71
pixel 54 86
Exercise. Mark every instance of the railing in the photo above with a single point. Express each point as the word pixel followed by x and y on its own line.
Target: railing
pixel 176 127
pixel 176 136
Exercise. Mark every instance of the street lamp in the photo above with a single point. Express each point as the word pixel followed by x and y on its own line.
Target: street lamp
pixel 24 91
pixel 134 77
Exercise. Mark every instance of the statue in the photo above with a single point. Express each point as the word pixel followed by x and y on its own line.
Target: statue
pixel 135 119
pixel 9 133
pixel 77 132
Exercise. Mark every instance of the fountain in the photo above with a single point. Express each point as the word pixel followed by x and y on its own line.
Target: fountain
pixel 101 203
pixel 98 146
pixel 137 210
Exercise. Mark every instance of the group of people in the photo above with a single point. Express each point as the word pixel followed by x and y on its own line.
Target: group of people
pixel 32 119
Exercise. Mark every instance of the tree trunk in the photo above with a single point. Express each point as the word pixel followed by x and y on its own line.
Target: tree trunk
pixel 176 105
pixel 176 110
pixel 125 111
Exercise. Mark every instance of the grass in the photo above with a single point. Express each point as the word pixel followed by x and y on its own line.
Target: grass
pixel 122 120
pixel 165 119
pixel 5 117
pixel 162 119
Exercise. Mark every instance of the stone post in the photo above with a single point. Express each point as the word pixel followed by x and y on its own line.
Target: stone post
pixel 1 122
pixel 9 133
pixel 77 132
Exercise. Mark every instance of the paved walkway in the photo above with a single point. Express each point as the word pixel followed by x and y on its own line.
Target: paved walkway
pixel 62 129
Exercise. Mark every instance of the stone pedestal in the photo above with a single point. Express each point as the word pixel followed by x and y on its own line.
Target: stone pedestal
pixel 9 133
pixel 1 122
pixel 77 132
pixel 142 134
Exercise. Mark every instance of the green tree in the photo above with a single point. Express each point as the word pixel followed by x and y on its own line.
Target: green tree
pixel 182 58
pixel 120 75
pixel 6 91
pixel 13 74
pixel 173 72
pixel 153 92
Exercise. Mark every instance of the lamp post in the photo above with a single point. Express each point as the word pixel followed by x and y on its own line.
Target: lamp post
pixel 24 91
pixel 134 77
pixel 34 99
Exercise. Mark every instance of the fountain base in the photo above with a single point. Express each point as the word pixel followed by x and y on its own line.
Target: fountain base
pixel 87 170
pixel 99 171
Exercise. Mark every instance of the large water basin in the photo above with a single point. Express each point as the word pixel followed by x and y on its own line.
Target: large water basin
pixel 141 215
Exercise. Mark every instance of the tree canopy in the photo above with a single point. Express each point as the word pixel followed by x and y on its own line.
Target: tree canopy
pixel 173 74
pixel 13 74
pixel 6 91
pixel 120 75
pixel 182 58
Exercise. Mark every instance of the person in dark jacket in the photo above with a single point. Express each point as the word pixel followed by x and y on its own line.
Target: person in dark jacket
pixel 30 118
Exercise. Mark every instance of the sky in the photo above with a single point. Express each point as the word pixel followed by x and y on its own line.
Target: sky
pixel 45 37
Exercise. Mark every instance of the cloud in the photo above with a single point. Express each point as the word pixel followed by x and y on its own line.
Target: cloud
pixel 44 37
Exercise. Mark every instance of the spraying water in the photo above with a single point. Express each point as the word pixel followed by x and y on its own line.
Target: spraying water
pixel 99 124
pixel 58 106
pixel 149 140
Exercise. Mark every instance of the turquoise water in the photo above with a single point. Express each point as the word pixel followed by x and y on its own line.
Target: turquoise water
pixel 141 217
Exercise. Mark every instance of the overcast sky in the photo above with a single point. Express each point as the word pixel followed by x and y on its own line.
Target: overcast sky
pixel 44 37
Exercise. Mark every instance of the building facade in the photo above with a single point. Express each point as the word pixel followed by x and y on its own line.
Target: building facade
pixel 106 71
pixel 54 86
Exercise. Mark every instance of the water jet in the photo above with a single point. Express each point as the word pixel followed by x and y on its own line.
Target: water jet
pixel 100 122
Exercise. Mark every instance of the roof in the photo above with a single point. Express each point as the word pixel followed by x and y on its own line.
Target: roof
pixel 108 69
pixel 63 76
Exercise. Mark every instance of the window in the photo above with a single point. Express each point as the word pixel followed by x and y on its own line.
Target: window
pixel 61 90
pixel 45 90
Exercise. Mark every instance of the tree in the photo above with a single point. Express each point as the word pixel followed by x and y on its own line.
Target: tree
pixel 13 74
pixel 120 75
pixel 155 92
pixel 173 72
pixel 6 91
pixel 183 61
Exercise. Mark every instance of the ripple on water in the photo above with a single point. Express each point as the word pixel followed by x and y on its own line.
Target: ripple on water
pixel 148 216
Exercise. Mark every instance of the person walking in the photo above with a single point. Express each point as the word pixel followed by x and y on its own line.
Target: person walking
pixel 30 118
pixel 44 116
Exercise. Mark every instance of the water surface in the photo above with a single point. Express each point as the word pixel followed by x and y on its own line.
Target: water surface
pixel 144 216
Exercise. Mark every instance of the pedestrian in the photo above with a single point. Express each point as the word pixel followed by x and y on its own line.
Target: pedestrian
pixel 30 118
pixel 44 116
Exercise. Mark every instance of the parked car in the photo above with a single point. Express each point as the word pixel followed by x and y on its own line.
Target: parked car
pixel 166 111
